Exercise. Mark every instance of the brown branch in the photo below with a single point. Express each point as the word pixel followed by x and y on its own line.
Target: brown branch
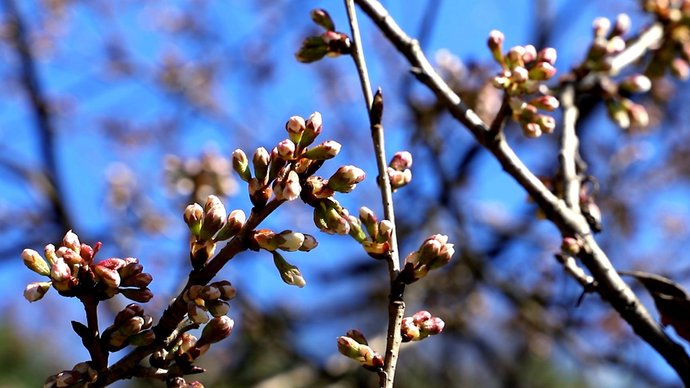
pixel 396 304
pixel 610 286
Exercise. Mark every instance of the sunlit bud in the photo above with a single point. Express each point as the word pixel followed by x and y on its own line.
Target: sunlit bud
pixel 638 115
pixel 218 308
pixel 532 130
pixel 519 74
pixel 265 239
pixel 356 230
pixel 87 252
pixel 345 179
pixel 385 231
pixel 35 291
pixel 309 243
pixel 601 27
pixel 542 71
pixel 348 347
pixel 132 326
pixel 432 326
pixel 196 313
pixel 366 356
pixel 618 114
pixel 200 252
pixel 131 268
pixel 209 293
pixel 369 220
pixel 323 19
pixel 289 241
pixel 357 336
pixel 680 68
pixel 193 216
pixel 290 274
pixel 216 330
pixel 548 103
pixel 326 150
pixel 622 25
pixel 130 311
pixel 548 55
pixel 401 160
pixel 313 127
pixel 547 124
pixel 139 280
pixel 615 45
pixel 234 224
pixel 376 250
pixel 302 165
pixel 142 338
pixel 35 262
pixel 337 223
pixel 50 254
pixel 313 49
pixel 141 295
pixel 71 241
pixel 421 316
pixel 288 188
pixel 259 192
pixel 571 246
pixel 318 187
pixel 338 43
pixel 286 149
pixel 530 54
pixel 514 57
pixel 107 271
pixel 636 83
pixel 295 127
pixel 214 218
pixel 261 161
pixel 398 179
pixel 187 341
pixel 409 330
pixel 227 291
pixel 60 271
pixel 240 163
pixel 69 256
pixel 501 81
pixel 495 43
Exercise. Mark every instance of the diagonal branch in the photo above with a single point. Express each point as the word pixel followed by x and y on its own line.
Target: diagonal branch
pixel 610 286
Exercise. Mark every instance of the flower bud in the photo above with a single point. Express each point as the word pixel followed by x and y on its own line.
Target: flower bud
pixel 618 114
pixel 289 241
pixel 401 161
pixel 288 188
pixel 240 164
pixel 259 192
pixel 313 127
pixel 193 216
pixel 71 241
pixel 218 308
pixel 345 179
pixel 514 57
pixel 385 231
pixel 542 71
pixel 286 149
pixel 326 150
pixel 234 224
pixel 531 130
pixel 398 179
pixel 140 280
pixel 216 330
pixel 261 160
pixel 571 246
pixel 548 103
pixel 622 25
pixel 290 274
pixel 60 271
pixel 547 124
pixel 200 252
pixel 132 326
pixel 548 55
pixel 214 218
pixel 50 255
pixel 265 239
pixel 227 291
pixel 356 229
pixel 369 220
pixel 495 43
pixel 35 262
pixel 636 83
pixel 376 250
pixel 530 54
pixel 196 313
pixel 323 19
pixel 519 75
pixel 35 291
pixel 141 295
pixel 313 49
pixel 295 127
pixel 309 243
pixel 601 27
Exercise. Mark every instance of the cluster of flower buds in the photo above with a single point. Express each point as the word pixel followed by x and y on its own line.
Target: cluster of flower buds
pixel 607 43
pixel 674 53
pixel 80 376
pixel 434 252
pixel 374 235
pixel 130 327
pixel 420 325
pixel 398 170
pixel 212 298
pixel 209 225
pixel 182 352
pixel 354 345
pixel 72 272
pixel 523 72
pixel 330 217
pixel 199 177
pixel 331 43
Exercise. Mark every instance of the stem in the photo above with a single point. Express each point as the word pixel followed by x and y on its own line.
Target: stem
pixel 92 342
pixel 374 104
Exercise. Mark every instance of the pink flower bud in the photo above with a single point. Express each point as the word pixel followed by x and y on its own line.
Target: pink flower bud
pixel 286 149
pixel 345 179
pixel 636 83
pixel 35 291
pixel 542 71
pixel 295 127
pixel 309 243
pixel 35 262
pixel 234 224
pixel 323 19
pixel 141 295
pixel 261 160
pixel 196 313
pixel 288 188
pixel 71 241
pixel 290 274
pixel 622 25
pixel 313 127
pixel 326 150
pixel 530 54
pixel 60 271
pixel 216 330
pixel 519 74
pixel 495 43
pixel 193 216
pixel 215 217
pixel 547 55
pixel 548 103
pixel 240 164
pixel 401 160
pixel 601 27
pixel 50 255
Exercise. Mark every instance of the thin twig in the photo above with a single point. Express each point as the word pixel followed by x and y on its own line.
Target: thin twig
pixel 610 286
pixel 569 149
pixel 396 305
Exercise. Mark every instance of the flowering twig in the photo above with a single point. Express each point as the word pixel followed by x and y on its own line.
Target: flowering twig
pixel 396 305
pixel 610 286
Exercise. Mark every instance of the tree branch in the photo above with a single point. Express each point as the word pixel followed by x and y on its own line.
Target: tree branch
pixel 610 286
